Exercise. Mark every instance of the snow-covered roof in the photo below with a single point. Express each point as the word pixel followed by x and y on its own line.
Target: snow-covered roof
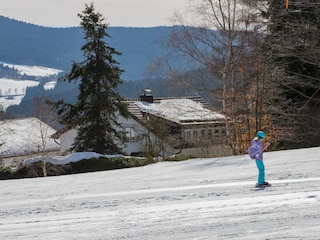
pixel 23 136
pixel 180 110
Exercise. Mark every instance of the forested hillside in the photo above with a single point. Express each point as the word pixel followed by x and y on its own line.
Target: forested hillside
pixel 28 44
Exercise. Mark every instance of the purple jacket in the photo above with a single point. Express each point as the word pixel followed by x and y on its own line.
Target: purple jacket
pixel 256 144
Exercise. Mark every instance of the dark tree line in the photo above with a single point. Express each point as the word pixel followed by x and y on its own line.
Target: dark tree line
pixel 293 49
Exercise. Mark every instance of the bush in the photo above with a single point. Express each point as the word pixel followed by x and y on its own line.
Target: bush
pixel 179 158
pixel 5 173
pixel 34 170
pixel 102 164
pixel 83 166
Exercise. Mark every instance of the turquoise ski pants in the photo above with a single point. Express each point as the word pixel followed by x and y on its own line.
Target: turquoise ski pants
pixel 260 167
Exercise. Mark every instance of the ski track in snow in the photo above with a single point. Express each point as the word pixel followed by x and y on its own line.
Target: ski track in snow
pixel 103 206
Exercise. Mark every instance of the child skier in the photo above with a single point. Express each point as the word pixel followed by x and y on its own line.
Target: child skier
pixel 256 152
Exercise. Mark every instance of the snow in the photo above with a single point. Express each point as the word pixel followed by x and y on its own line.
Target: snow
pixel 198 199
pixel 73 157
pixel 11 86
pixel 50 85
pixel 24 136
pixel 13 90
pixel 179 110
pixel 38 71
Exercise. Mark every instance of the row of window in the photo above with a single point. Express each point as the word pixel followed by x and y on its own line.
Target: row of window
pixel 209 133
pixel 203 133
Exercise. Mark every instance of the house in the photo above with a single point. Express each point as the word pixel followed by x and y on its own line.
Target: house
pixel 66 136
pixel 190 126
pixel 182 125
pixel 24 136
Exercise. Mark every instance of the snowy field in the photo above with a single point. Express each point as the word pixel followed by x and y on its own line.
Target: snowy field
pixel 194 199
pixel 12 90
pixel 39 71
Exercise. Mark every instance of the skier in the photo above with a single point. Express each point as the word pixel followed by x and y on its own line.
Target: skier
pixel 256 152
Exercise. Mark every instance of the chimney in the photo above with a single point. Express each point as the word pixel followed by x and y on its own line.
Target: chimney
pixel 146 95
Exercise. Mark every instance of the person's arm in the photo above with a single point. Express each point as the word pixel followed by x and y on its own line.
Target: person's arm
pixel 267 144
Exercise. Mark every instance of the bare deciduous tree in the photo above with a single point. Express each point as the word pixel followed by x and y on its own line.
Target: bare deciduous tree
pixel 43 112
pixel 214 51
pixel 155 137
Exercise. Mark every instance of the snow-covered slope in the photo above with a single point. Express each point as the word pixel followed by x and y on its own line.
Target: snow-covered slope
pixel 194 199
pixel 13 90
pixel 38 71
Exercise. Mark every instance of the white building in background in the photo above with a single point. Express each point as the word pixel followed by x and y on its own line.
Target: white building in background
pixel 24 136
pixel 67 136
pixel 193 126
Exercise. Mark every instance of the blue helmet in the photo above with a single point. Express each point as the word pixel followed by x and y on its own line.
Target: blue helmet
pixel 261 134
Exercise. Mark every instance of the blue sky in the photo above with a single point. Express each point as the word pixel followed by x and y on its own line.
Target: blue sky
pixel 63 13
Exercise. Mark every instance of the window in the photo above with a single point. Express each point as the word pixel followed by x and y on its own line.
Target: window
pixel 195 133
pixel 210 133
pixel 216 132
pixel 130 133
pixel 223 132
pixel 183 135
pixel 203 133
pixel 188 135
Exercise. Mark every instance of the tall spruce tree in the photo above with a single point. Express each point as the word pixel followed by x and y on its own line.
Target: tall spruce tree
pixel 98 105
pixel 293 48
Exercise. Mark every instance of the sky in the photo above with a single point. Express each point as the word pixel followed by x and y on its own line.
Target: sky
pixel 204 198
pixel 63 13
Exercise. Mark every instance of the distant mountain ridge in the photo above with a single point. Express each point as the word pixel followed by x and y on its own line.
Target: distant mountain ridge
pixel 29 44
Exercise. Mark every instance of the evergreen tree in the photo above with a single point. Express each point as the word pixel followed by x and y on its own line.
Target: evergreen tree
pixel 98 105
pixel 293 48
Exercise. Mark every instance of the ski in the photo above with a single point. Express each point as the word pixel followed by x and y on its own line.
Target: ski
pixel 264 186
pixel 257 188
